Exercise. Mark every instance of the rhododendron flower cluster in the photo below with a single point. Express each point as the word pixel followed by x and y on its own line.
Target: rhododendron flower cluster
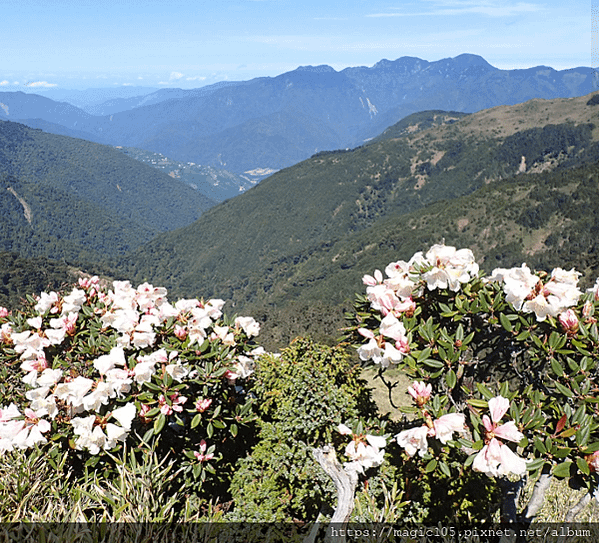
pixel 415 440
pixel 98 363
pixel 364 450
pixel 441 268
pixel 528 293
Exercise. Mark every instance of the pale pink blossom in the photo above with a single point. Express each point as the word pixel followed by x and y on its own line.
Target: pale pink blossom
pixel 6 333
pixel 446 425
pixel 200 455
pixel 248 325
pixel 526 291
pixel 106 362
pixel 180 332
pixel 449 267
pixel 73 302
pixel 125 415
pixel 177 371
pixel 35 322
pixel 366 455
pixel 89 282
pixel 421 392
pixel 593 461
pixel 344 430
pixel 414 440
pixel 202 405
pixel 9 413
pixel 3 312
pixel 46 301
pixel 496 458
pixel 569 321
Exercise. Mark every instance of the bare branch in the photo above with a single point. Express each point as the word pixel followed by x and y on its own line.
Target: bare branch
pixel 345 479
pixel 538 495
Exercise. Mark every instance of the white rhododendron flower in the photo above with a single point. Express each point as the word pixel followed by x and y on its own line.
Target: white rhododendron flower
pixel 414 440
pixel 450 267
pixel 249 326
pixel 445 426
pixel 527 292
pixel 366 455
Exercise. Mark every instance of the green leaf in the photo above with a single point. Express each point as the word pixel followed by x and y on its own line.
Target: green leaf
pixel 563 469
pixel 451 379
pixel 474 402
pixel 593 447
pixel 535 464
pixel 159 423
pixel 196 420
pixel 433 363
pixel 563 390
pixel 233 429
pixel 431 466
pixel 562 452
pixel 539 445
pixel 445 468
pixel 557 367
pixel 505 322
pixel 582 435
pixel 484 391
pixel 583 465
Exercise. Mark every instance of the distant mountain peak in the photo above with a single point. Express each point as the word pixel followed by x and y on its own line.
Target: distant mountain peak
pixel 323 68
pixel 468 59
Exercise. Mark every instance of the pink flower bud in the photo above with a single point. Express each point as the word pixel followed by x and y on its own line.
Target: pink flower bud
pixel 180 332
pixel 421 392
pixel 569 321
pixel 202 405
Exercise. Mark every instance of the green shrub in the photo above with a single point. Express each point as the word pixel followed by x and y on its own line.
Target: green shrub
pixel 303 395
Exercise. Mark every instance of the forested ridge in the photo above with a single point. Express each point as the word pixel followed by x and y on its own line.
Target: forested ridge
pixel 515 183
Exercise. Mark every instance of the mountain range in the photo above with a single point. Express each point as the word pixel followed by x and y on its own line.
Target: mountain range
pixel 274 122
pixel 515 183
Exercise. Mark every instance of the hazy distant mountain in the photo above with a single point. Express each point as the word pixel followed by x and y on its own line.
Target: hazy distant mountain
pixel 90 98
pixel 275 122
pixel 16 106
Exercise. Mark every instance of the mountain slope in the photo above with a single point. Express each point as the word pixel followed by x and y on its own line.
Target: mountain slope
pixel 60 196
pixel 289 239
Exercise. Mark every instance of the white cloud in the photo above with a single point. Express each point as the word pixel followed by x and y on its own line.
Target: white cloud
pixel 459 7
pixel 41 84
pixel 175 75
pixel 4 83
pixel 196 78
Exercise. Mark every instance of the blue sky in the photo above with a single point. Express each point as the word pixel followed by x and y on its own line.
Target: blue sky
pixel 183 43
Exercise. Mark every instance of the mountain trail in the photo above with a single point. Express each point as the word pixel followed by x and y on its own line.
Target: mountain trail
pixel 26 208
